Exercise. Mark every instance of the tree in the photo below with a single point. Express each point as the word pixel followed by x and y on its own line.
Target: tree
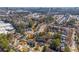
pixel 20 28
pixel 4 42
pixel 57 35
pixel 78 47
pixel 71 22
pixel 44 49
pixel 56 41
pixel 49 19
pixel 31 22
pixel 55 44
pixel 67 49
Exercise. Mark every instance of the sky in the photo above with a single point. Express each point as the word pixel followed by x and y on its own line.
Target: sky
pixel 39 3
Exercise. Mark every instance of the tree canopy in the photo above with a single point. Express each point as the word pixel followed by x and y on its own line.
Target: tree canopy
pixel 4 42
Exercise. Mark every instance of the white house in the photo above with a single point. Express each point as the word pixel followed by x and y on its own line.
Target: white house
pixel 6 27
